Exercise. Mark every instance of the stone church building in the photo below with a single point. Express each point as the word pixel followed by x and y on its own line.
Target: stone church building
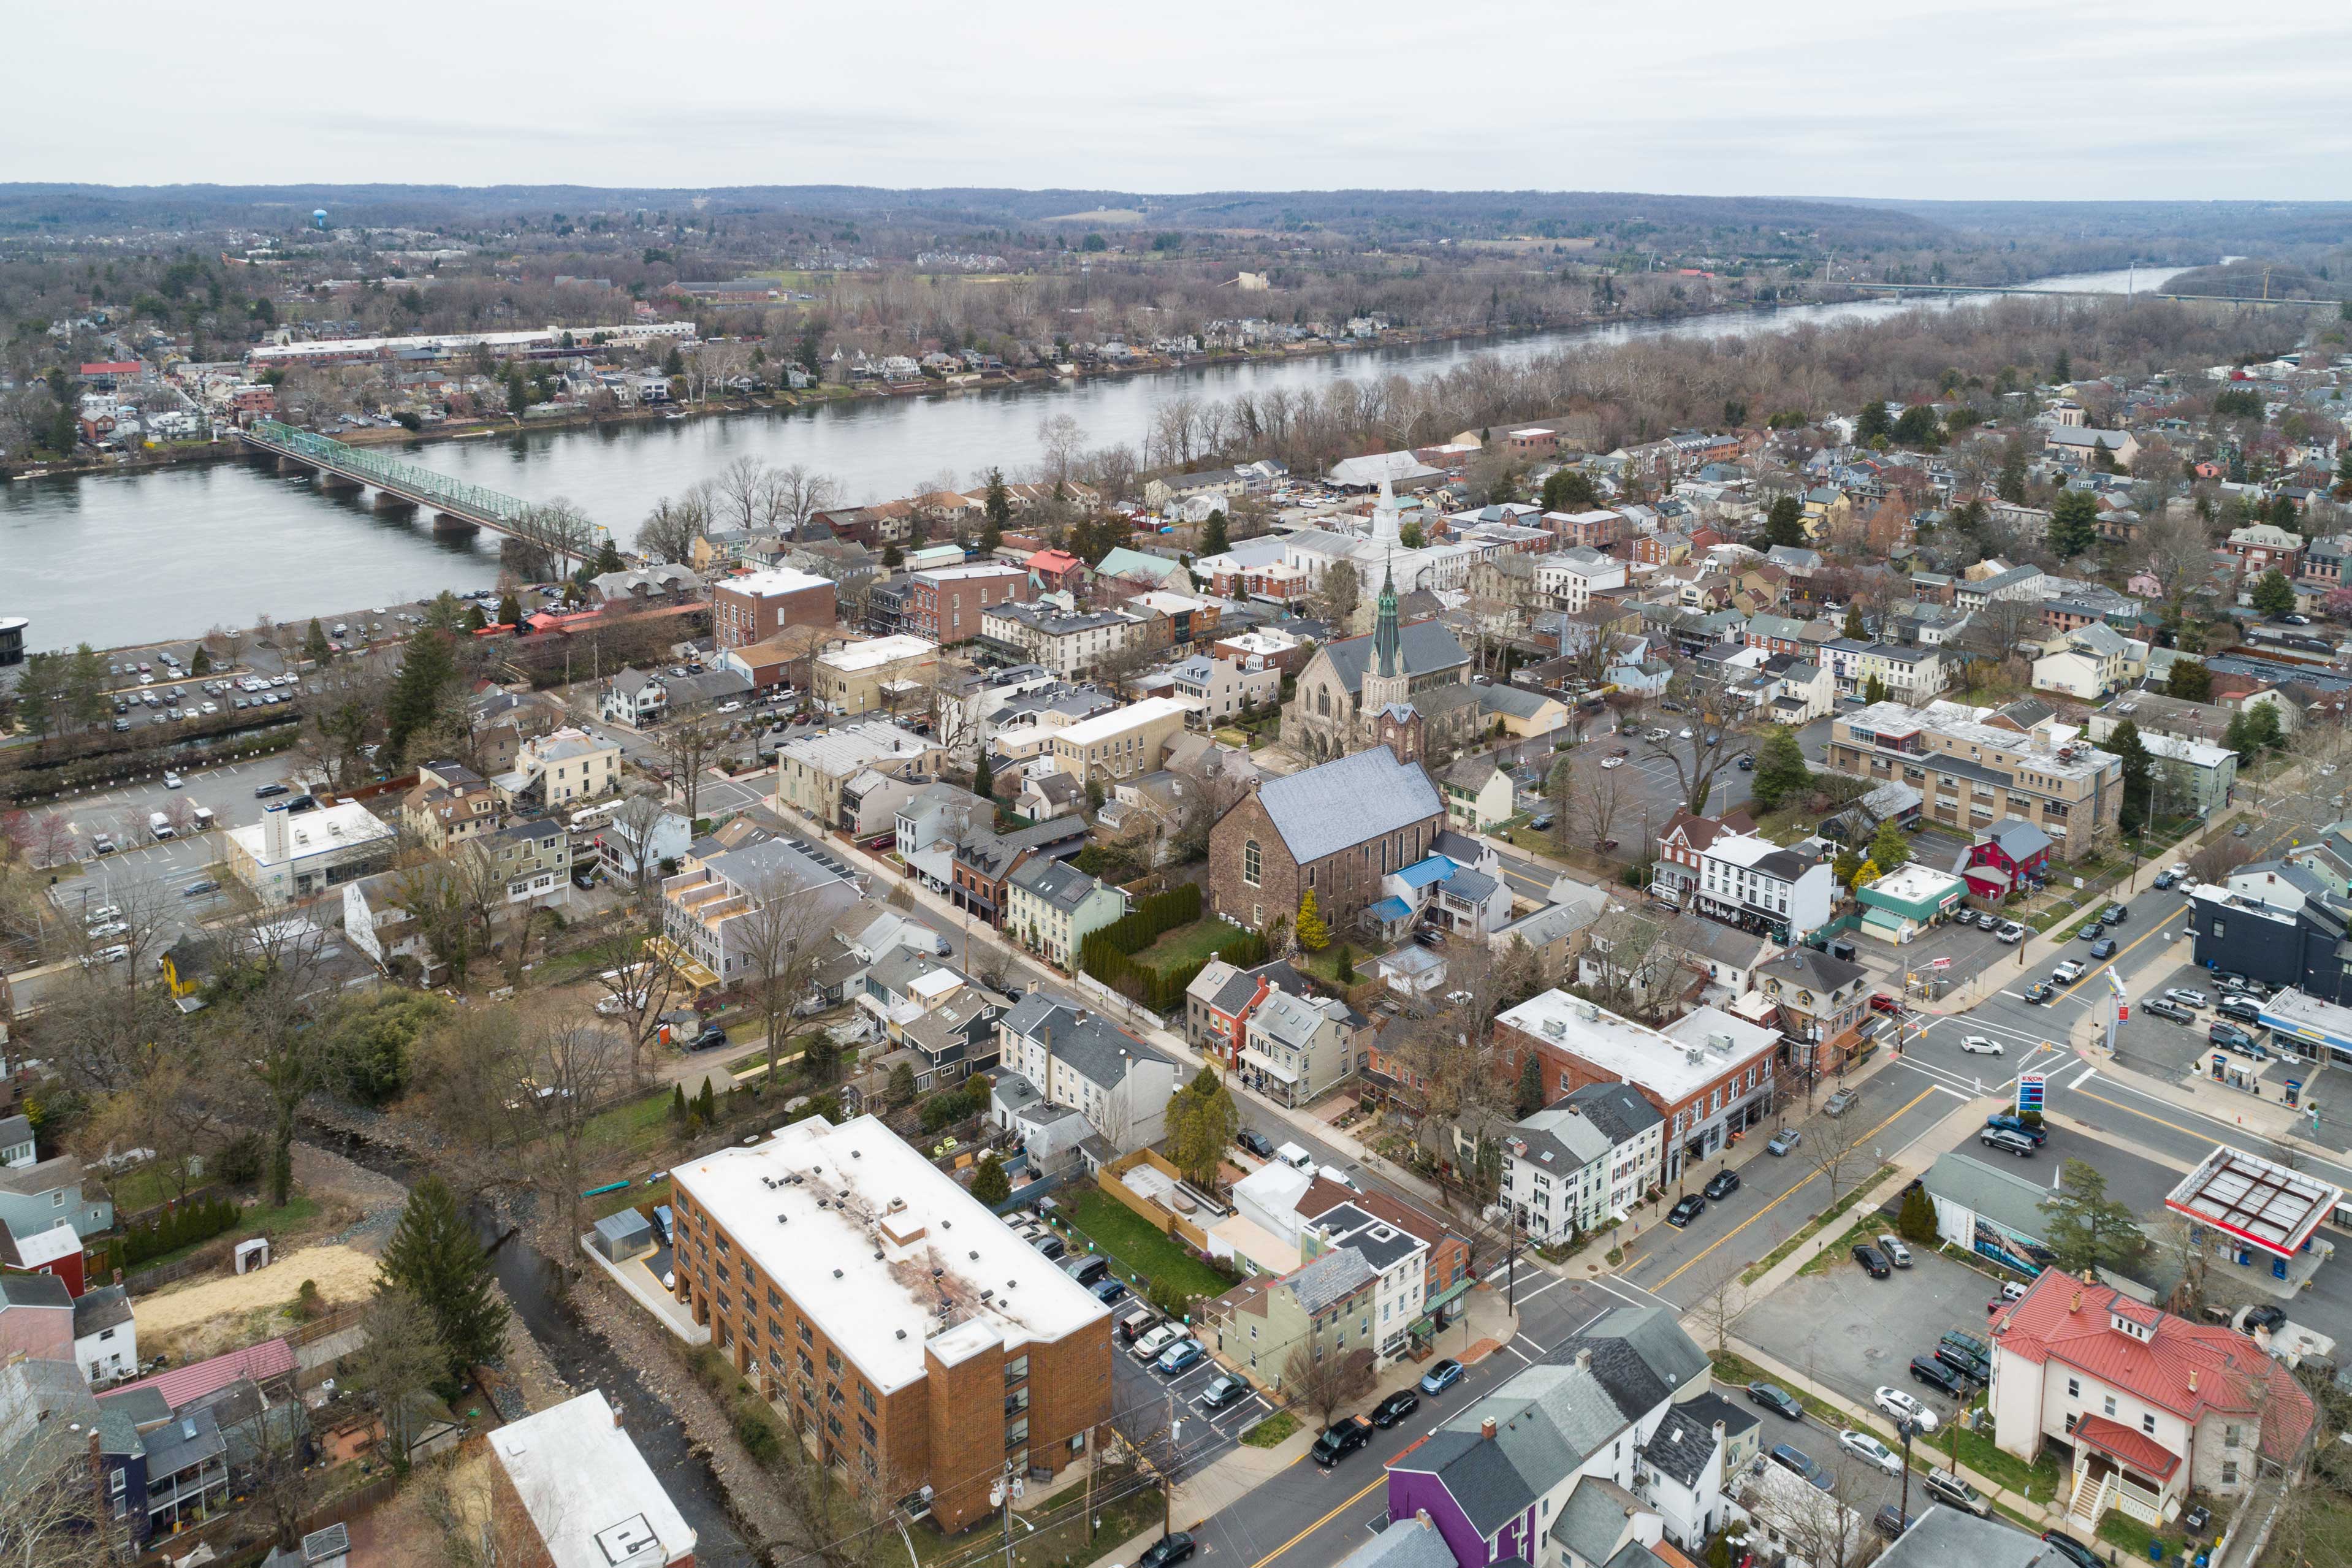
pixel 1348 683
pixel 1337 828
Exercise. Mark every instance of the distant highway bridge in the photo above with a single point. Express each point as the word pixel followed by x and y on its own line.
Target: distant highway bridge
pixel 1926 289
pixel 399 485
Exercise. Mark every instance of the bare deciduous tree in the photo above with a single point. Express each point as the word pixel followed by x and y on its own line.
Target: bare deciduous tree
pixel 1324 1383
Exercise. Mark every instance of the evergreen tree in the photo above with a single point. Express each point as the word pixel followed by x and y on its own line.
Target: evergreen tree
pixel 445 613
pixel 1918 427
pixel 2344 467
pixel 2011 484
pixel 315 646
pixel 997 506
pixel 1530 1085
pixel 427 668
pixel 677 1103
pixel 2189 680
pixel 1873 690
pixel 201 664
pixel 2124 741
pixel 2238 739
pixel 990 1184
pixel 1889 851
pixel 2262 732
pixel 2063 370
pixel 893 557
pixel 902 1085
pixel 983 777
pixel 2273 595
pixel 1785 523
pixel 2086 1228
pixel 1873 424
pixel 608 559
pixel 474 620
pixel 1347 964
pixel 1916 1223
pixel 1781 769
pixel 435 1258
pixel 1570 490
pixel 705 1104
pixel 1853 626
pixel 1313 934
pixel 2074 523
pixel 1212 538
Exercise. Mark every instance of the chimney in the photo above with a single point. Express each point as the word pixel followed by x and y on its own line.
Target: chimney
pixel 1421 1516
pixel 2076 1304
pixel 616 1418
pixel 2192 1379
pixel 1584 1359
pixel 1718 1434
pixel 1486 1430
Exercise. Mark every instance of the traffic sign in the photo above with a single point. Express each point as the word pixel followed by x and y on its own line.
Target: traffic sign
pixel 1940 964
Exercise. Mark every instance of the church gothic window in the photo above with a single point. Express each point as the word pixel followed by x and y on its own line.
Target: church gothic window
pixel 1323 701
pixel 1252 862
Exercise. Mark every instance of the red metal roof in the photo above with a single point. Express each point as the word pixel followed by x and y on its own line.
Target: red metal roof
pixel 2189 1369
pixel 113 367
pixel 2137 1449
pixel 270 1358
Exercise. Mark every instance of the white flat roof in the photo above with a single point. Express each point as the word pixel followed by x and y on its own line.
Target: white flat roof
pixel 878 652
pixel 343 826
pixel 1637 1054
pixel 595 1501
pixel 977 569
pixel 1119 720
pixel 774 580
pixel 782 1203
pixel 1914 881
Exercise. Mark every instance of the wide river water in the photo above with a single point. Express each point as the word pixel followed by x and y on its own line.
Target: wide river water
pixel 136 558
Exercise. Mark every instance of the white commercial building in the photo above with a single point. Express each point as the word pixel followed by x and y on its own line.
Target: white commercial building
pixel 294 855
pixel 1749 881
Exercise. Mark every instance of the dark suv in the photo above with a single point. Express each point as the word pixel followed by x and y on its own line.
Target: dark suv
pixel 1342 1439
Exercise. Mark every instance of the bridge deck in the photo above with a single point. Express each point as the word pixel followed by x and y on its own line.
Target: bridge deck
pixel 426 486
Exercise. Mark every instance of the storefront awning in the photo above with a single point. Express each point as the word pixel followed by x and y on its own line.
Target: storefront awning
pixel 1427 1324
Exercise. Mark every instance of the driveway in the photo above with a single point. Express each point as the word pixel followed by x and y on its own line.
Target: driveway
pixel 1853 1333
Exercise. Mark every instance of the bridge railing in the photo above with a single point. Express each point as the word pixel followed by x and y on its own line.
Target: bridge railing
pixel 455 495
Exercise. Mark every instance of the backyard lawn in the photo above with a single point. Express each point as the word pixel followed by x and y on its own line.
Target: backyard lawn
pixel 1186 945
pixel 1140 1251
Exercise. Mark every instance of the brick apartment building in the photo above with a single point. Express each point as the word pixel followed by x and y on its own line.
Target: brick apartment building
pixel 944 605
pixel 1707 1073
pixel 907 1334
pixel 757 606
pixel 1976 766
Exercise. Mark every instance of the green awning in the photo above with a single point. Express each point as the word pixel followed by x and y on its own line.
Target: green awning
pixel 1427 1324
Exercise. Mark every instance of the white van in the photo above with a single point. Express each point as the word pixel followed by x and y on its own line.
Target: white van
pixel 1333 1173
pixel 1292 1154
pixel 158 827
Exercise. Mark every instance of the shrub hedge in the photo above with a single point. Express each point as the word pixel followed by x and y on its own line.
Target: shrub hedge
pixel 1109 954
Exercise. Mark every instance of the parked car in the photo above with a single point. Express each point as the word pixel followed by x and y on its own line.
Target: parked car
pixel 2116 914
pixel 713 1036
pixel 1841 1102
pixel 2040 991
pixel 1873 1262
pixel 1342 1439
pixel 1788 1456
pixel 2230 1037
pixel 1686 1210
pixel 2188 998
pixel 1871 1451
pixel 114 954
pixel 1052 1247
pixel 1953 1492
pixel 1906 1407
pixel 1137 1324
pixel 105 929
pixel 172 780
pixel 1441 1376
pixel 2156 1007
pixel 2267 1317
pixel 1257 1142
pixel 2164 879
pixel 2058 1540
pixel 1776 1399
pixel 1975 1346
pixel 2245 1009
pixel 2104 948
pixel 1149 1347
pixel 2011 933
pixel 1975 1368
pixel 1110 1292
pixel 1896 1253
pixel 1783 1140
pixel 2023 1129
pixel 1927 1369
pixel 1721 1185
pixel 1981 1045
pixel 2001 1140
pixel 1180 1357
pixel 1891 1522
pixel 1223 1391
pixel 1396 1407
pixel 1169 1549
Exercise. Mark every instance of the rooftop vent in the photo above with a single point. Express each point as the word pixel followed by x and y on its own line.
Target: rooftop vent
pixel 837 1274
pixel 902 1333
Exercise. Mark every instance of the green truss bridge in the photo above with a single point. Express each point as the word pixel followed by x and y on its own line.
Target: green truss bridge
pixel 398 486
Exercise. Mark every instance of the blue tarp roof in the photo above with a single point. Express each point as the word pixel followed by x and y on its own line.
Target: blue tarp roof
pixel 1422 873
pixel 1388 909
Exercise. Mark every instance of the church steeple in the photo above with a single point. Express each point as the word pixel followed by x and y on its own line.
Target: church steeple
pixel 1387 642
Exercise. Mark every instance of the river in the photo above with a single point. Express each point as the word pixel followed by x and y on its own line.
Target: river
pixel 135 558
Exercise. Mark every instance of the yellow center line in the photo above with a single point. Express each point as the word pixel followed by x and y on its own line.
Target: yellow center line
pixel 1776 1202
pixel 1320 1523
pixel 2115 963
pixel 2144 1116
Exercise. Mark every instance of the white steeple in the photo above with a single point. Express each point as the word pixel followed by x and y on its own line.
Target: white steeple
pixel 1388 524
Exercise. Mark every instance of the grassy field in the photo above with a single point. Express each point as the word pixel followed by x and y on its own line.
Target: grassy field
pixel 569 968
pixel 1270 1432
pixel 1185 944
pixel 1141 1253
pixel 635 1127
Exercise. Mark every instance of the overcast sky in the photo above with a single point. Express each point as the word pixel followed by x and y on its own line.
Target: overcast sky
pixel 1987 99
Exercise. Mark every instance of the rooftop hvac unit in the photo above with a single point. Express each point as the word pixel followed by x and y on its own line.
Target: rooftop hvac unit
pixel 1587 1010
pixel 1721 1043
pixel 1556 1027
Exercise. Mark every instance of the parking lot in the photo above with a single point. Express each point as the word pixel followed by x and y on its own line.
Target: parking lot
pixel 1854 1334
pixel 1202 1434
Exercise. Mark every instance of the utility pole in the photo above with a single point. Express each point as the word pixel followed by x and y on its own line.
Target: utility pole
pixel 1007 1486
